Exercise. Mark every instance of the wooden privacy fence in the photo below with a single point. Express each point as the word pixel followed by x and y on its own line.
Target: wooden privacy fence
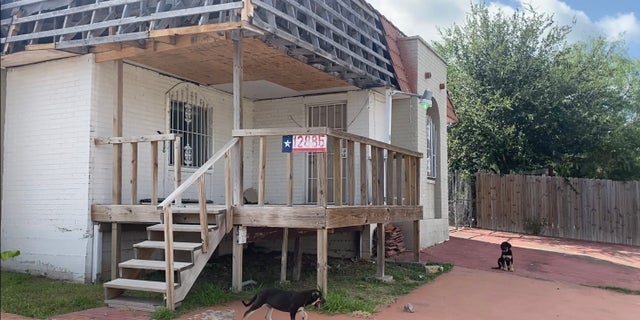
pixel 584 209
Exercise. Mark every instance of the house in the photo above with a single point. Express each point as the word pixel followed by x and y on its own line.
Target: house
pixel 143 135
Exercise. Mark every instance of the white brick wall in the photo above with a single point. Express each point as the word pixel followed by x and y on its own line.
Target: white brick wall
pixel 46 168
pixel 419 59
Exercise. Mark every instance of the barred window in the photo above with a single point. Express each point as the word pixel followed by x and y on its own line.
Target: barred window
pixel 190 118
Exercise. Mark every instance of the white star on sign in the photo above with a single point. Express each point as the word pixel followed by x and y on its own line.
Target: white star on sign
pixel 287 143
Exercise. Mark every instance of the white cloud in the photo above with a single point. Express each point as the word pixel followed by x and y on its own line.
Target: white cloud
pixel 623 24
pixel 422 17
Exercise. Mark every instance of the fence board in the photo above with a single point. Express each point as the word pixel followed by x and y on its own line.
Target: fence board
pixel 585 209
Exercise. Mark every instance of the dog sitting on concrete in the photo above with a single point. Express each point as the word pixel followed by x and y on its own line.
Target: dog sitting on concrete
pixel 292 302
pixel 505 262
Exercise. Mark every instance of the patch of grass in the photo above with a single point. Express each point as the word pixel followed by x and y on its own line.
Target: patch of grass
pixel 353 287
pixel 621 290
pixel 40 297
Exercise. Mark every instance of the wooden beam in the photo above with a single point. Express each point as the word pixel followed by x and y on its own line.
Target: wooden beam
pixel 308 217
pixel 338 217
pixel 125 213
pixel 322 267
pixel 208 28
pixel 177 166
pixel 238 77
pixel 120 140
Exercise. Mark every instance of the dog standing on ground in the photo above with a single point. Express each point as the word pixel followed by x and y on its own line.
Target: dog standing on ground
pixel 505 262
pixel 292 302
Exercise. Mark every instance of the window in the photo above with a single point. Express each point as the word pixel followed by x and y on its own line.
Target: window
pixel 332 115
pixel 431 148
pixel 190 118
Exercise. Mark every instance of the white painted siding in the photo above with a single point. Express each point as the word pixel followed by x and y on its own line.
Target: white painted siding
pixel 45 205
pixel 291 112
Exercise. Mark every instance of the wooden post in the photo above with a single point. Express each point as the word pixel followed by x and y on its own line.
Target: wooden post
pixel 134 173
pixel 154 172
pixel 236 274
pixel 322 179
pixel 262 170
pixel 390 195
pixel 177 165
pixel 228 192
pixel 416 240
pixel 380 253
pixel 322 235
pixel 364 188
pixel 290 178
pixel 168 256
pixel 238 71
pixel 337 172
pixel 204 221
pixel 375 179
pixel 351 175
pixel 283 256
pixel 116 190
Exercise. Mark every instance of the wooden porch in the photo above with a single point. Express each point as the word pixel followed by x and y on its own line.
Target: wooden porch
pixel 358 200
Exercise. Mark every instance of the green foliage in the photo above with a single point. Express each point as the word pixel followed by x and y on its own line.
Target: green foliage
pixel 6 255
pixel 163 314
pixel 41 298
pixel 527 100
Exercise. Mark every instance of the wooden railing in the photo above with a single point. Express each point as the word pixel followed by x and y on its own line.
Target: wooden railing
pixel 167 203
pixel 117 143
pixel 154 140
pixel 394 171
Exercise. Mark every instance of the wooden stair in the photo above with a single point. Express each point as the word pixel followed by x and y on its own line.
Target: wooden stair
pixel 189 261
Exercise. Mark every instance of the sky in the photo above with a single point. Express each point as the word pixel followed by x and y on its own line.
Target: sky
pixel 614 19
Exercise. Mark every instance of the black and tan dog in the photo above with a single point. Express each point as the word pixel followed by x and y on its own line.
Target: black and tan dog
pixel 505 262
pixel 292 302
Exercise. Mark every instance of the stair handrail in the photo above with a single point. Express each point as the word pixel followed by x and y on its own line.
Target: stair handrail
pixel 198 173
pixel 168 217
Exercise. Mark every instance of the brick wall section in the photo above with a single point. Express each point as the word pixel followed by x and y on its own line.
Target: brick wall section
pixel 46 168
pixel 419 59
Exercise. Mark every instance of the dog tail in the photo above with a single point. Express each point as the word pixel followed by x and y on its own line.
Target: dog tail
pixel 246 304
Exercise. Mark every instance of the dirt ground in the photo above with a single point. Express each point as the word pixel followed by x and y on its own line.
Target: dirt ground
pixel 553 279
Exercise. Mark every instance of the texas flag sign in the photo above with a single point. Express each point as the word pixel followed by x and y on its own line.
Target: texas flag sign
pixel 304 143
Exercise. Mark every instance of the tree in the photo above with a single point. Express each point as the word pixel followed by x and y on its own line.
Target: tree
pixel 527 100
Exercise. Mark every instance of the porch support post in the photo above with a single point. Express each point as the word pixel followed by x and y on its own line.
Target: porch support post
pixel 283 256
pixel 416 240
pixel 380 251
pixel 236 277
pixel 236 273
pixel 116 179
pixel 322 260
